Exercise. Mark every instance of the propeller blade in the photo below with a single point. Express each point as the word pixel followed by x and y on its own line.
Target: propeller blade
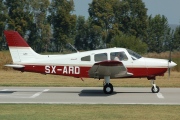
pixel 169 61
pixel 169 70
pixel 170 57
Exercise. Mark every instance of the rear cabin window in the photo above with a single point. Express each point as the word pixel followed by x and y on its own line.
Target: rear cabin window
pixel 86 58
pixel 119 56
pixel 100 57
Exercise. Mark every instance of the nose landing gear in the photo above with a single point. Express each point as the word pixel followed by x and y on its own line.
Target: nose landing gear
pixel 155 88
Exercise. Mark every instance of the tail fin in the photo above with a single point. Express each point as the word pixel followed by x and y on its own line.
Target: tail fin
pixel 19 49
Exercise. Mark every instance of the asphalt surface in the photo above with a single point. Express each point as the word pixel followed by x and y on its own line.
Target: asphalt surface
pixel 88 95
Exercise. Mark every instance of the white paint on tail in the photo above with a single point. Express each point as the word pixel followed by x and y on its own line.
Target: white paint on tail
pixel 22 54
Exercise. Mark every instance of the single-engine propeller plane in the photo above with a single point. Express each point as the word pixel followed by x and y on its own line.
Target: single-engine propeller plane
pixel 104 64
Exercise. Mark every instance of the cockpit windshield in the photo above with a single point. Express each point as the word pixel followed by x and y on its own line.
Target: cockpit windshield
pixel 133 54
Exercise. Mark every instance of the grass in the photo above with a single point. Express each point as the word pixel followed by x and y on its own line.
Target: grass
pixel 5 58
pixel 16 78
pixel 87 112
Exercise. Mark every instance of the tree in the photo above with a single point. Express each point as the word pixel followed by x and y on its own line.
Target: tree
pixel 102 15
pixel 88 36
pixel 158 34
pixel 20 17
pixel 130 42
pixel 115 16
pixel 95 39
pixel 131 15
pixel 176 39
pixel 3 15
pixel 82 30
pixel 62 21
pixel 40 31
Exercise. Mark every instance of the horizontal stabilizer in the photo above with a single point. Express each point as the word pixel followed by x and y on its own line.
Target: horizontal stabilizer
pixel 14 66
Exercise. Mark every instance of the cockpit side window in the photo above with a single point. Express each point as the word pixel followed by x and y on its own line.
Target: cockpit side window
pixel 119 56
pixel 100 57
pixel 86 58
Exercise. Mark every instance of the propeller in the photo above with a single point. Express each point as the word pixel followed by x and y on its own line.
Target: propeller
pixel 169 61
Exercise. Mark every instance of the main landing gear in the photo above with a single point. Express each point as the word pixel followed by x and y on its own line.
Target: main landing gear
pixel 108 87
pixel 155 88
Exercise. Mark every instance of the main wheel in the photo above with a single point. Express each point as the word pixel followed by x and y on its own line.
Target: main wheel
pixel 108 88
pixel 155 90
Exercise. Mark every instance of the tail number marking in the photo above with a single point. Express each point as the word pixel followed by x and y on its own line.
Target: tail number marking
pixel 65 70
pixel 71 70
pixel 50 69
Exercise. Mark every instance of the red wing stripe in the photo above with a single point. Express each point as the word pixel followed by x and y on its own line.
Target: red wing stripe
pixel 14 39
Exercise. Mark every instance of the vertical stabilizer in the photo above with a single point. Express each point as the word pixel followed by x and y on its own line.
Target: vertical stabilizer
pixel 19 49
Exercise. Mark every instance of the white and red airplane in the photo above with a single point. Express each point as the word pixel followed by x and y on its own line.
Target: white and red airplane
pixel 99 64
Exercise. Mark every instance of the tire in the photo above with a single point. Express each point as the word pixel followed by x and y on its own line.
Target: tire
pixel 108 88
pixel 155 91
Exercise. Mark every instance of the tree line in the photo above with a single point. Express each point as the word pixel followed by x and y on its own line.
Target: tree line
pixel 51 25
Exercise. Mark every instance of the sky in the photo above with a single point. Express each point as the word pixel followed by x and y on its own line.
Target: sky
pixel 168 8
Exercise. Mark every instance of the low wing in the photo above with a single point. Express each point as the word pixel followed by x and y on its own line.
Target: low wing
pixel 114 69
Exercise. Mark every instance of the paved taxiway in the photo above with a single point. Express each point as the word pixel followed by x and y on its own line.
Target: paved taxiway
pixel 88 95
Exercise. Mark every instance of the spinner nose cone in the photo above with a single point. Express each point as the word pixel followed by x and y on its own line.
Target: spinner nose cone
pixel 172 64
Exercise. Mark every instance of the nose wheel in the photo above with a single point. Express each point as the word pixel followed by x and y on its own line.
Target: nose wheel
pixel 154 89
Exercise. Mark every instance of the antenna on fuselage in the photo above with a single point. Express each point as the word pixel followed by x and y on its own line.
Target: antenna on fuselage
pixel 73 47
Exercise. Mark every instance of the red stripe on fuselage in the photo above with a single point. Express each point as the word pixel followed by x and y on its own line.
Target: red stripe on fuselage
pixel 146 72
pixel 82 71
pixel 74 71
